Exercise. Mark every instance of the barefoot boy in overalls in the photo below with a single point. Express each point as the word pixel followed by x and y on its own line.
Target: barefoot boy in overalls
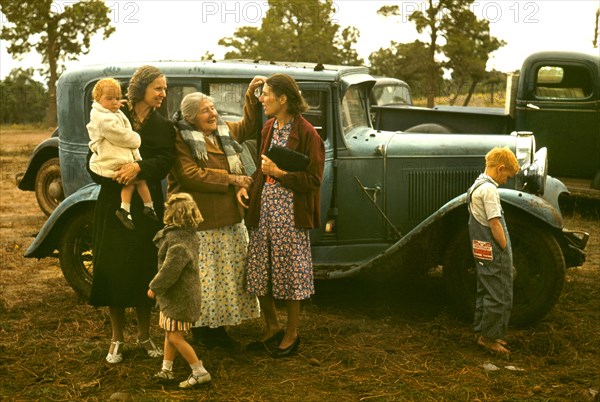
pixel 492 250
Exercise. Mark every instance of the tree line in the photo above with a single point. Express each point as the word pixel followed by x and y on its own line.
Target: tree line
pixel 298 30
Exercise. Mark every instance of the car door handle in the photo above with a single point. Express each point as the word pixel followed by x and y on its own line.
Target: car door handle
pixel 375 190
pixel 532 106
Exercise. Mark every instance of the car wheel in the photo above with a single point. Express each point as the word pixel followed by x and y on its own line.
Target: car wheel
pixel 429 128
pixel 538 276
pixel 48 186
pixel 75 252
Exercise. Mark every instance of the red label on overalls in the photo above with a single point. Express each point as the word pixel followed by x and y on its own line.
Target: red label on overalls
pixel 483 250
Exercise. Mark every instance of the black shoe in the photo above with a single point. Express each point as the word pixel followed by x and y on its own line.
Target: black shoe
pixel 277 353
pixel 125 218
pixel 223 339
pixel 150 214
pixel 204 336
pixel 213 337
pixel 197 335
pixel 267 344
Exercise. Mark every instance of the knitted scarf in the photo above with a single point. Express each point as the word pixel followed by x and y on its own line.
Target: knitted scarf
pixel 195 140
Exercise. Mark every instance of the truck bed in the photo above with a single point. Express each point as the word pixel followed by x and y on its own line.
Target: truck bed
pixel 458 119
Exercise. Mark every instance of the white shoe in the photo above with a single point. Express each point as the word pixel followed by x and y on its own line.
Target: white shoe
pixel 115 356
pixel 164 375
pixel 154 352
pixel 193 381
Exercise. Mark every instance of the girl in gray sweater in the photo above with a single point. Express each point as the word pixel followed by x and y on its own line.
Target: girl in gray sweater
pixel 176 286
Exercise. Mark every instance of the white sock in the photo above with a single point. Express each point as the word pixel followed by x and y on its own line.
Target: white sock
pixel 126 206
pixel 198 369
pixel 149 205
pixel 167 365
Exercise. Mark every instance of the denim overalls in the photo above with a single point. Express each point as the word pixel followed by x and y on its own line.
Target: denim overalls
pixel 494 275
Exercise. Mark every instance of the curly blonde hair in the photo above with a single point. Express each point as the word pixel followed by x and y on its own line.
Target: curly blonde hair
pixel 105 83
pixel 502 156
pixel 181 211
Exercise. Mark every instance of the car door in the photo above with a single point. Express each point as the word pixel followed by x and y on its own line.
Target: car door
pixel 561 108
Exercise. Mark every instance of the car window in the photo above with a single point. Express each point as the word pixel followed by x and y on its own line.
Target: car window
pixel 229 99
pixel 354 109
pixel 317 110
pixel 563 82
pixel 175 94
pixel 391 95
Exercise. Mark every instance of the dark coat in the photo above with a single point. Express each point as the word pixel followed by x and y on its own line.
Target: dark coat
pixel 125 260
pixel 306 185
pixel 177 283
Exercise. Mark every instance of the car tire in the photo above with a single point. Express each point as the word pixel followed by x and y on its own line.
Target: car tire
pixel 75 251
pixel 48 186
pixel 429 128
pixel 539 272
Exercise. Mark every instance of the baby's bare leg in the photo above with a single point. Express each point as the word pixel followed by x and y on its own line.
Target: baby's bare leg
pixel 127 193
pixel 143 191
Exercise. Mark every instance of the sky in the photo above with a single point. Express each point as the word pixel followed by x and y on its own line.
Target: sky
pixel 185 30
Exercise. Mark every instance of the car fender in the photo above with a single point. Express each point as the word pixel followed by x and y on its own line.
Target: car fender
pixel 542 209
pixel 46 241
pixel 44 151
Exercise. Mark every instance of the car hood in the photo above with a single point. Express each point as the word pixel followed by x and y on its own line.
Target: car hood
pixel 387 143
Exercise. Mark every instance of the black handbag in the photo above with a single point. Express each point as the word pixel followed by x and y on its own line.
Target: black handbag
pixel 287 159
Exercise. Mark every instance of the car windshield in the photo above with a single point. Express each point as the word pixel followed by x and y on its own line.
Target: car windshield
pixel 392 95
pixel 354 109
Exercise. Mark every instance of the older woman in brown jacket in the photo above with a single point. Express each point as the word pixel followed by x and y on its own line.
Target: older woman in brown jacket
pixel 283 206
pixel 209 167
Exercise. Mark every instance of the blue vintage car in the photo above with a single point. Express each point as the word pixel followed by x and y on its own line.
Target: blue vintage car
pixel 390 200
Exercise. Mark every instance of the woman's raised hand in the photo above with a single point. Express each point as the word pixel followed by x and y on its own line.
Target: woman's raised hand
pixel 256 82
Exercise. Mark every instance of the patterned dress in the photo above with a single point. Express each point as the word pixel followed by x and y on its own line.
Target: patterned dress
pixel 279 257
pixel 225 300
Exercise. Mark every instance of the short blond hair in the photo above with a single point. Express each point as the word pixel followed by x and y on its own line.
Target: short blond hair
pixel 502 156
pixel 105 83
pixel 181 211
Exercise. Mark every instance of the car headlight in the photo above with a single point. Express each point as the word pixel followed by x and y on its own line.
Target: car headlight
pixel 525 147
pixel 532 176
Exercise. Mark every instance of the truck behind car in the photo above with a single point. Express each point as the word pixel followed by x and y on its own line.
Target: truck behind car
pixel 557 97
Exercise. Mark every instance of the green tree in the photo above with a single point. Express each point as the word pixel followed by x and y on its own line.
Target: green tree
pixel 23 99
pixel 449 19
pixel 57 32
pixel 296 30
pixel 403 61
pixel 596 30
pixel 468 46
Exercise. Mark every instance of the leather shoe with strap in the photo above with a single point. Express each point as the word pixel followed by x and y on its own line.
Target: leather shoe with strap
pixel 290 350
pixel 268 343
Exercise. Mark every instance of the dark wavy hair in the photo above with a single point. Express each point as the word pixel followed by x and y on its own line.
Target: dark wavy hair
pixel 140 80
pixel 283 84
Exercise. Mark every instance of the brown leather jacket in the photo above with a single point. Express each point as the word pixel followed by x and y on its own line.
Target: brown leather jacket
pixel 207 182
pixel 305 185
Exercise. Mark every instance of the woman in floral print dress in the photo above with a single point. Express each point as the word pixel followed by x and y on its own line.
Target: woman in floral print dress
pixel 282 207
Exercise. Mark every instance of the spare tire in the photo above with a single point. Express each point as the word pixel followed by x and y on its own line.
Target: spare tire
pixel 429 128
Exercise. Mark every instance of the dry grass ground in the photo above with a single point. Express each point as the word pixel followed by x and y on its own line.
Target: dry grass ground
pixel 360 342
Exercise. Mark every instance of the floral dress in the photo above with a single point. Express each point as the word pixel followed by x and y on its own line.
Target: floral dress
pixel 279 257
pixel 222 259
